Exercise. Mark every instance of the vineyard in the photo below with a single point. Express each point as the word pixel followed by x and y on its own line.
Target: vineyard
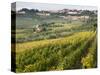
pixel 53 40
pixel 71 52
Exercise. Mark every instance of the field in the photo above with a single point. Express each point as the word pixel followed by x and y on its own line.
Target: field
pixel 57 54
pixel 46 43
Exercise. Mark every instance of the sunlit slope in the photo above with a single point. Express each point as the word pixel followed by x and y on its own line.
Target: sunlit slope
pixel 54 54
pixel 75 38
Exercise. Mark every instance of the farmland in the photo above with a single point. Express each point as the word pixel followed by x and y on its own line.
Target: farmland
pixel 56 54
pixel 55 42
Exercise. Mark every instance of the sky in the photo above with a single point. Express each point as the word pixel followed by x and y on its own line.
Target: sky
pixel 47 6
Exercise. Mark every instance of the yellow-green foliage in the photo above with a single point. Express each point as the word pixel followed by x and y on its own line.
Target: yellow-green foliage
pixel 54 54
pixel 90 60
pixel 75 38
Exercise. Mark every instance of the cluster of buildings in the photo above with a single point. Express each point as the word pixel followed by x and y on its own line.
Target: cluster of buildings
pixel 67 11
pixel 71 13
pixel 48 12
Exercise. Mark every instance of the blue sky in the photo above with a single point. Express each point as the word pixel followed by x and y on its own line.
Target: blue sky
pixel 46 6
